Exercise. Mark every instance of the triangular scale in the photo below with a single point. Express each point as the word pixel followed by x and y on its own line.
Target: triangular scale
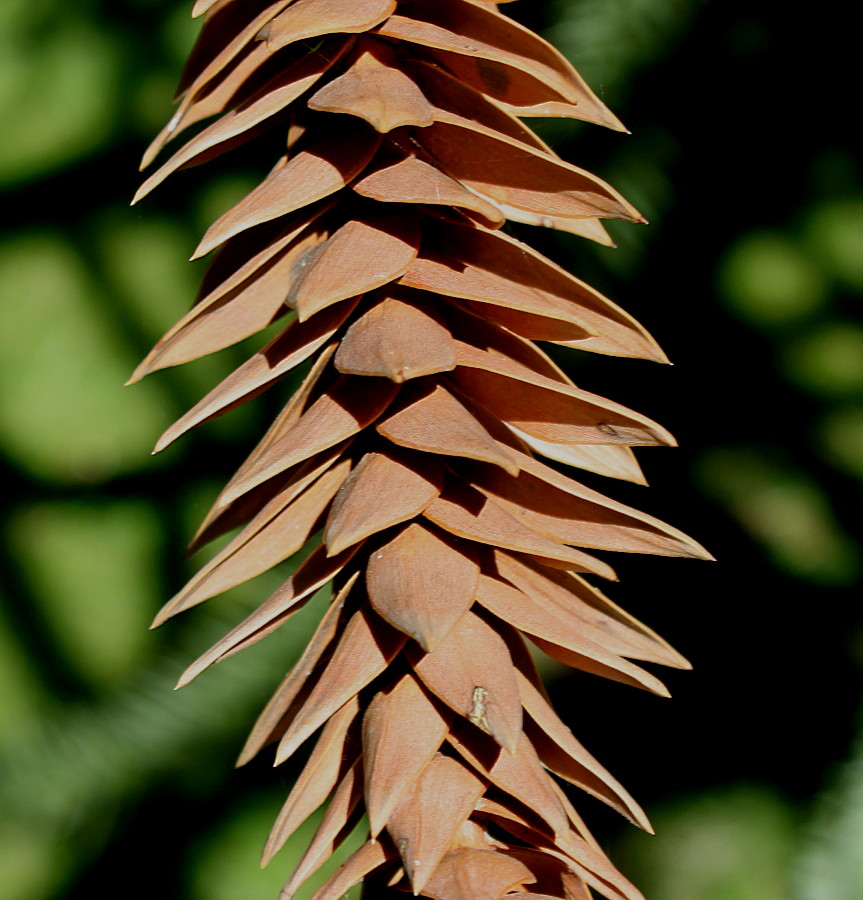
pixel 272 717
pixel 576 764
pixel 369 857
pixel 571 596
pixel 567 511
pixel 519 774
pixel 471 671
pixel 428 819
pixel 468 874
pixel 312 174
pixel 316 571
pixel 293 346
pixel 421 584
pixel 305 19
pixel 223 508
pixel 342 411
pixel 334 827
pixel 466 513
pixel 316 782
pixel 244 121
pixel 223 38
pixel 522 177
pixel 245 302
pixel 402 731
pixel 431 419
pixel 385 488
pixel 560 638
pixel 548 409
pixel 268 540
pixel 480 34
pixel 396 340
pixel 611 460
pixel 376 89
pixel 367 646
pixel 502 273
pixel 453 96
pixel 413 180
pixel 364 254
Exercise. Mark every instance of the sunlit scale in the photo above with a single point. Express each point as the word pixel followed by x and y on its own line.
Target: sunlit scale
pixel 414 445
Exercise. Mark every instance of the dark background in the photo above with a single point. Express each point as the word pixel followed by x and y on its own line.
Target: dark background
pixel 744 155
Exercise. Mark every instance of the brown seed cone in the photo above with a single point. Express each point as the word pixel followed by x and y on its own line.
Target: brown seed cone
pixel 416 439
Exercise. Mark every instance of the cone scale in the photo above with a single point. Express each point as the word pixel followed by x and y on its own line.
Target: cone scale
pixel 422 442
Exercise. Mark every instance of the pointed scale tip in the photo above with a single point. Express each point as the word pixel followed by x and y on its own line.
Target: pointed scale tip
pixel 612 122
pixel 153 150
pixel 142 370
pixel 638 817
pixel 205 247
pixel 161 617
pixel 607 118
pixel 267 855
pixel 656 353
pixel 186 678
pixel 165 440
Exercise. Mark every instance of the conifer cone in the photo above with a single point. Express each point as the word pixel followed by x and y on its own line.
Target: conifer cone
pixel 415 443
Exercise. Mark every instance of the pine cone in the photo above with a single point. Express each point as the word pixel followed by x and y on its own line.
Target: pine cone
pixel 414 442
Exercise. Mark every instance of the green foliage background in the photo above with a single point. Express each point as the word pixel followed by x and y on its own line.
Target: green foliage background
pixel 744 157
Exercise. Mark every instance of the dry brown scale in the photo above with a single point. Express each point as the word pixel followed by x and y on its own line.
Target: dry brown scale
pixel 415 442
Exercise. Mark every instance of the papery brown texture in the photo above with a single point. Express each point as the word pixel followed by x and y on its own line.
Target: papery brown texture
pixel 414 445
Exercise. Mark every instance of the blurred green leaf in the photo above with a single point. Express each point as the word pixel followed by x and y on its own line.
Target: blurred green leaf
pixel 93 569
pixel 841 437
pixel 827 360
pixel 834 232
pixel 33 863
pixel 785 511
pixel 59 87
pixel 64 413
pixel 769 281
pixel 735 843
pixel 20 697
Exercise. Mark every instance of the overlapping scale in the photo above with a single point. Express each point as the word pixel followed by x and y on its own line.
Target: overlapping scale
pixel 420 445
